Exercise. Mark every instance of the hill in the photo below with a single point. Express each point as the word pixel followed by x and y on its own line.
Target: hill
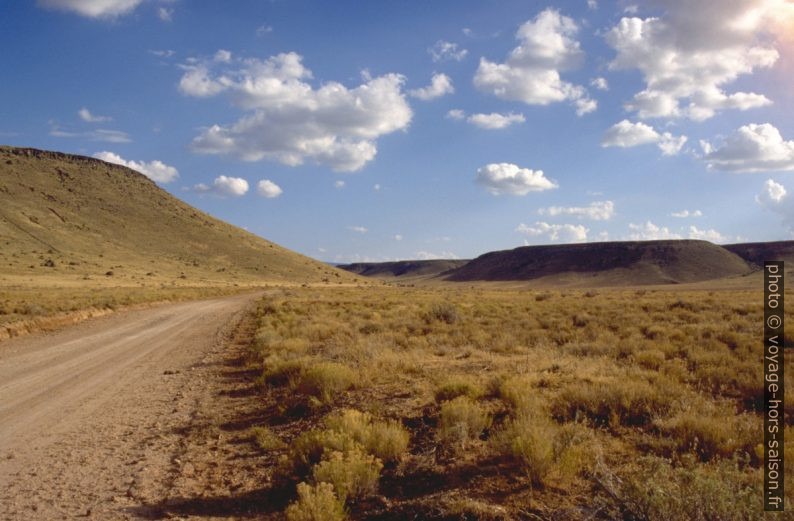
pixel 72 218
pixel 404 269
pixel 758 252
pixel 607 263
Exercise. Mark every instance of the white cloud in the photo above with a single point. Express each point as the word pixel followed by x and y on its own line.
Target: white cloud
pixel 507 178
pixel 163 53
pixel 264 29
pixel 600 83
pixel 531 72
pixel 596 211
pixel 339 184
pixel 683 214
pixel 555 232
pixel 495 120
pixel 592 5
pixel 626 134
pixel 649 231
pixel 165 14
pixel 88 117
pixel 442 51
pixel 358 229
pixel 440 85
pixel 269 189
pixel 376 187
pixel 752 148
pixel 688 55
pixel 93 8
pixel 710 235
pixel 775 197
pixel 223 56
pixel 290 121
pixel 398 237
pixel 154 170
pixel 427 255
pixel 456 114
pixel 224 186
pixel 100 134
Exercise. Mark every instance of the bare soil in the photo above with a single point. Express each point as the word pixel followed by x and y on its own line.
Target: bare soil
pixel 103 420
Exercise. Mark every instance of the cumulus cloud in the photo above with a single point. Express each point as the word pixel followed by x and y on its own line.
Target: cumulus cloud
pixel 88 117
pixel 752 148
pixel 555 232
pixel 626 134
pixel 689 54
pixel 100 134
pixel 224 186
pixel 290 121
pixel 507 178
pixel 683 214
pixel 649 231
pixel 775 198
pixel 339 184
pixel 443 50
pixel 596 211
pixel 456 114
pixel 710 235
pixel 600 83
pixel 358 229
pixel 165 14
pixel 495 120
pixel 531 73
pixel 268 189
pixel 93 8
pixel 155 170
pixel 429 255
pixel 440 85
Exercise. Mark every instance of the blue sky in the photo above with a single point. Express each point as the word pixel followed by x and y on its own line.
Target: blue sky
pixel 389 130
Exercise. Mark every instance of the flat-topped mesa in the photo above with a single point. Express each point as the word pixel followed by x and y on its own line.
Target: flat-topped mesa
pixel 620 263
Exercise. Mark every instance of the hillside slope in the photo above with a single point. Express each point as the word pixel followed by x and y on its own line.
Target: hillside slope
pixel 71 217
pixel 758 252
pixel 404 269
pixel 607 263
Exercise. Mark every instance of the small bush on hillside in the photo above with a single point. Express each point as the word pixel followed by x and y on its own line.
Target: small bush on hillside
pixel 281 373
pixel 713 435
pixel 457 386
pixel 266 439
pixel 325 380
pixel 461 420
pixel 442 312
pixel 386 440
pixel 316 503
pixel 353 474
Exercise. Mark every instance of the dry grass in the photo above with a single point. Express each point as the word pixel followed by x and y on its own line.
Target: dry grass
pixel 493 403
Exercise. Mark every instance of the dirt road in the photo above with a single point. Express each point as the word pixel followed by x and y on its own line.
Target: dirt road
pixel 90 416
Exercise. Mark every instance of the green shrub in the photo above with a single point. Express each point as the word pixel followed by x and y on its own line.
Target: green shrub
pixel 316 503
pixel 386 440
pixel 309 447
pixel 655 490
pixel 353 474
pixel 457 386
pixel 462 419
pixel 266 439
pixel 325 380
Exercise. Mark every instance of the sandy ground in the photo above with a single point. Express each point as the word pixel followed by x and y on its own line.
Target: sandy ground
pixel 95 420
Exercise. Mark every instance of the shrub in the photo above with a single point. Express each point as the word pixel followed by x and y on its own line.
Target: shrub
pixel 628 402
pixel 325 380
pixel 353 474
pixel 457 386
pixel 316 503
pixel 309 447
pixel 519 394
pixel 655 490
pixel 285 372
pixel 386 440
pixel 462 420
pixel 266 439
pixel 442 312
pixel 716 435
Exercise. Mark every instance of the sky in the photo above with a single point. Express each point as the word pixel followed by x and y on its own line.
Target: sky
pixel 382 130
